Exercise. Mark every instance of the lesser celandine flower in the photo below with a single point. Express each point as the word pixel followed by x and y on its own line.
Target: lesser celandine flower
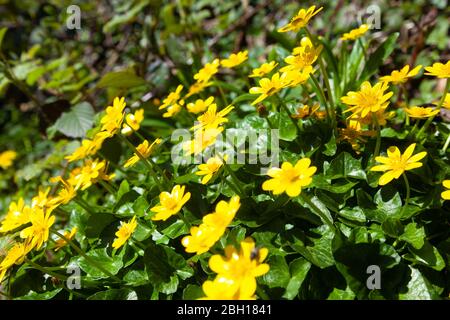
pixel 67 193
pixel 355 33
pixel 297 77
pixel 92 171
pixel 173 109
pixel 197 87
pixel 305 111
pixel 69 235
pixel 234 59
pixel 209 70
pixel 401 76
pixel 446 194
pixel 263 69
pixel 368 99
pixel 200 105
pixel 213 226
pixel 89 147
pixel 395 164
pixel 268 87
pixel 209 168
pixel 353 133
pixel 133 122
pixel 202 140
pixel 303 56
pixel 113 118
pixel 301 19
pixel 41 221
pixel 170 203
pixel 124 233
pixel 240 268
pixel 212 119
pixel 145 149
pixel 420 112
pixel 18 214
pixel 7 158
pixel 223 288
pixel 439 70
pixel 15 255
pixel 172 98
pixel 290 179
pixel 446 103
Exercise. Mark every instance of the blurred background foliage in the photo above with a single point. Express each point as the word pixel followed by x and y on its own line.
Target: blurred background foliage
pixel 53 80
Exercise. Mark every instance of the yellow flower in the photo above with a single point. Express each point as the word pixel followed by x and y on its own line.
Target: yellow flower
pixel 89 147
pixel 173 109
pixel 202 140
pixel 301 19
pixel 112 120
pixel 18 215
pixel 297 77
pixel 41 221
pixel 268 87
pixel 92 171
pixel 306 111
pixel 420 112
pixel 263 69
pixel 144 149
pixel 446 194
pixel 446 103
pixel 213 226
pixel 234 59
pixel 41 200
pixel 353 133
pixel 381 116
pixel 170 203
pixel 289 178
pixel 241 267
pixel 212 119
pixel 396 163
pixel 124 233
pixel 7 158
pixel 355 33
pixel 15 255
pixel 439 70
pixel 172 98
pixel 200 105
pixel 209 168
pixel 197 87
pixel 368 99
pixel 205 73
pixel 67 193
pixel 133 122
pixel 222 288
pixel 68 235
pixel 303 56
pixel 401 76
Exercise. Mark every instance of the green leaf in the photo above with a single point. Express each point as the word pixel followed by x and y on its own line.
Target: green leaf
pixel 40 296
pixel 77 121
pixel 427 255
pixel 136 278
pixel 380 55
pixel 127 16
pixel 278 275
pixel 176 229
pixel 120 79
pixel 100 257
pixel 299 270
pixel 192 292
pixel 345 166
pixel 353 214
pixel 2 35
pixel 288 132
pixel 414 235
pixel 419 288
pixel 392 227
pixel 338 294
pixel 114 294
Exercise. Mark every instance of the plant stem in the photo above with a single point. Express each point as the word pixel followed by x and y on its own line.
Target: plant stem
pixel 317 210
pixel 322 96
pixel 408 193
pixel 182 217
pixel 83 204
pixel 262 294
pixel 430 119
pixel 447 142
pixel 145 161
pixel 378 142
pixel 286 109
pixel 85 256
pixel 108 187
pixel 45 270
pixel 222 94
